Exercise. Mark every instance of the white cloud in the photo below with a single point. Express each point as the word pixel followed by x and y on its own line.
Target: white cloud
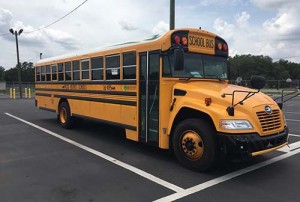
pixel 242 19
pixel 275 4
pixel 250 26
pixel 160 28
pixel 127 26
pixel 218 2
pixel 5 16
pixel 226 29
pixel 64 39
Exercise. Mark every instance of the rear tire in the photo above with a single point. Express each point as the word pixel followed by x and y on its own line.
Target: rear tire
pixel 194 144
pixel 64 116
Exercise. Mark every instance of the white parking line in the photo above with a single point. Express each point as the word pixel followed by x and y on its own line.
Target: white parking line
pixel 292 146
pixel 291 112
pixel 226 177
pixel 295 120
pixel 106 157
pixel 294 135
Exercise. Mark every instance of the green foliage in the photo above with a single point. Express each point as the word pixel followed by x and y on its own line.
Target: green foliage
pixel 247 65
pixel 2 73
pixel 27 73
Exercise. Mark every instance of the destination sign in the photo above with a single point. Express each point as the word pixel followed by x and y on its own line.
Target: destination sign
pixel 201 42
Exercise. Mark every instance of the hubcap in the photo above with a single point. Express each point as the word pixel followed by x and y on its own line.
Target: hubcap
pixel 63 115
pixel 192 145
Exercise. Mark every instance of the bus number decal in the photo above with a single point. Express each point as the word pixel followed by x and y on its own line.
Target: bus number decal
pixel 109 87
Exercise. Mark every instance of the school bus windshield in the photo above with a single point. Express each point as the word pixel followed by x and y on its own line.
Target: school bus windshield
pixel 197 66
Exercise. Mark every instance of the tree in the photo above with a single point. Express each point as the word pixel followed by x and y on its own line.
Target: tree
pixel 247 65
pixel 27 73
pixel 2 73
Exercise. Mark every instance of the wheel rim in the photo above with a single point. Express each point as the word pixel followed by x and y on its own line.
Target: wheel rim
pixel 63 115
pixel 192 145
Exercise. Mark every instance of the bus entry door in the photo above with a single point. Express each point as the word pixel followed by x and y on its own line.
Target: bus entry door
pixel 149 97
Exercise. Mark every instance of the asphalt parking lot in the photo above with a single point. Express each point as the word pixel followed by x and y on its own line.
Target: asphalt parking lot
pixel 40 161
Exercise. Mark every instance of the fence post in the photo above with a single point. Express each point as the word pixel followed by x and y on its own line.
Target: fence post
pixel 25 92
pixel 29 93
pixel 14 93
pixel 10 93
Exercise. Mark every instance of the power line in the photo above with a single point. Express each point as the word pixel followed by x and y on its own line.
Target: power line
pixel 54 21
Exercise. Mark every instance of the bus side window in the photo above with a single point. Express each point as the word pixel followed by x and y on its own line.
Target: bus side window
pixel 129 65
pixel 43 73
pixel 68 71
pixel 97 68
pixel 48 73
pixel 38 73
pixel 85 69
pixel 54 72
pixel 60 71
pixel 76 70
pixel 112 67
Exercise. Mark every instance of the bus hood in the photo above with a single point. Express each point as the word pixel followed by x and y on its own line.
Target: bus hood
pixel 221 95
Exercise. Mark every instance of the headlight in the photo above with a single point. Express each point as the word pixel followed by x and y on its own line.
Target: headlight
pixel 235 125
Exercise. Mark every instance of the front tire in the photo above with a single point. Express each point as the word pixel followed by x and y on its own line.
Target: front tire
pixel 194 144
pixel 64 116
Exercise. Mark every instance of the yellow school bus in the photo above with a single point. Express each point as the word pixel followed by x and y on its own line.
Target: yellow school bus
pixel 170 91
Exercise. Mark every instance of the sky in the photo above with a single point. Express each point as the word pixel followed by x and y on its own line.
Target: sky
pixel 257 27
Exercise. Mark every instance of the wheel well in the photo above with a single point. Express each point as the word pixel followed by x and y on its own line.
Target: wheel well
pixel 187 113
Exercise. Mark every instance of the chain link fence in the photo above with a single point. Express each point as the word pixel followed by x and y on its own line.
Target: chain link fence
pixel 273 84
pixel 5 87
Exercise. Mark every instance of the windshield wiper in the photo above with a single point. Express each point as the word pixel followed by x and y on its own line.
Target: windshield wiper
pixel 213 76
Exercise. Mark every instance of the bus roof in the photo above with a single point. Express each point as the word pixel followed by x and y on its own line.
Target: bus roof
pixel 99 49
pixel 120 45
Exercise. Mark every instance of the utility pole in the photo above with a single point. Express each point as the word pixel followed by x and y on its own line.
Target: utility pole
pixel 172 14
pixel 18 59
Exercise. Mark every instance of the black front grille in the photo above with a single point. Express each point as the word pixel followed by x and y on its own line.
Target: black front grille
pixel 269 122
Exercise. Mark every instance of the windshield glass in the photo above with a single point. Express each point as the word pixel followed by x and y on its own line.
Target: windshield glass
pixel 197 66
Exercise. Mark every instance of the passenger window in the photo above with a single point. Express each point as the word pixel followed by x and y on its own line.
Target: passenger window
pixel 85 69
pixel 112 67
pixel 97 68
pixel 129 65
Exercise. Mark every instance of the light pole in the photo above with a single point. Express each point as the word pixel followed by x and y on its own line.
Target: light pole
pixel 18 59
pixel 172 14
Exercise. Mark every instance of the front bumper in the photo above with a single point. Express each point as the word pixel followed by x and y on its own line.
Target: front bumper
pixel 247 145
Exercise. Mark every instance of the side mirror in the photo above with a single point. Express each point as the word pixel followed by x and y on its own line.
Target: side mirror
pixel 257 82
pixel 178 59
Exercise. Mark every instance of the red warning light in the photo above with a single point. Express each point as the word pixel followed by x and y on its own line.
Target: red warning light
pixel 176 39
pixel 225 47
